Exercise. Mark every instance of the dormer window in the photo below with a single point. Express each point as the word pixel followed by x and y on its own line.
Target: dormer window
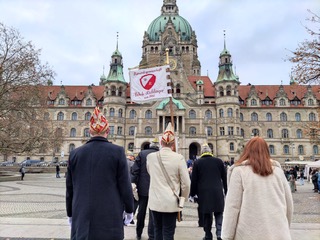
pixel 253 102
pixel 282 102
pixel 61 101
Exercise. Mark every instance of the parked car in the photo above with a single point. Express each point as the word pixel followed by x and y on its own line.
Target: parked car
pixel 63 163
pixel 29 162
pixel 7 163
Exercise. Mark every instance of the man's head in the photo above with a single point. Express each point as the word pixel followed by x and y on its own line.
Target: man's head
pixel 168 138
pixel 154 143
pixel 205 148
pixel 130 155
pixel 99 125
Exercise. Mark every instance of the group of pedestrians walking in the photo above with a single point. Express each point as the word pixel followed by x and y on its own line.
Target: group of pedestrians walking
pixel 103 184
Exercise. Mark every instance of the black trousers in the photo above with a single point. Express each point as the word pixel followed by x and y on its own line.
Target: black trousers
pixel 164 225
pixel 143 203
pixel 207 224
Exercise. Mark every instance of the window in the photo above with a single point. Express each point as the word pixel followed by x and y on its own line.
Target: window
pixel 61 101
pixel 87 116
pixel 132 114
pixel 221 113
pixel 192 114
pixel 230 131
pixel 283 117
pixel 148 114
pixel 255 132
pixel 315 149
pixel 73 132
pixel 89 102
pixel 282 102
pixel 86 132
pixel 221 131
pixel 269 133
pixel 60 116
pixel 242 132
pixel 208 114
pixel 111 113
pixel 119 131
pixel 209 131
pixel 192 131
pixel 254 117
pixel 45 132
pixel 113 91
pixel 230 112
pixel 46 116
pixel 253 102
pixel 211 146
pixel 299 133
pixel 231 146
pixel 310 102
pixel 148 131
pixel 284 133
pixel 271 149
pixel 120 113
pixel 71 147
pixel 312 117
pixel 269 117
pixel 221 91
pixel 300 150
pixel 111 132
pixel 298 117
pixel 74 116
pixel 130 146
pixel 131 130
pixel 120 91
pixel 241 117
pixel 286 149
pixel 228 90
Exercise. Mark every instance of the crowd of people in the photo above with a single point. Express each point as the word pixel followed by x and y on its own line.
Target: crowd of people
pixel 109 186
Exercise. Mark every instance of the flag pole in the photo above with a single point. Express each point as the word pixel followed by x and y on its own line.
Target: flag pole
pixel 170 102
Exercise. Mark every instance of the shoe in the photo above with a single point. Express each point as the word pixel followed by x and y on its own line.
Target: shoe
pixel 219 238
pixel 132 222
pixel 138 238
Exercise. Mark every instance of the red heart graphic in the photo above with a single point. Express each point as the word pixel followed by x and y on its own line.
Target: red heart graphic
pixel 147 81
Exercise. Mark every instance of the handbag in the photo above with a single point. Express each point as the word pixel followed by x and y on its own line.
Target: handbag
pixel 181 200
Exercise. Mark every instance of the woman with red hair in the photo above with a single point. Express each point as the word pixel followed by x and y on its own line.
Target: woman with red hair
pixel 259 203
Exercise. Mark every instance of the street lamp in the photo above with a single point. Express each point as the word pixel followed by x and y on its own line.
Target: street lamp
pixel 292 147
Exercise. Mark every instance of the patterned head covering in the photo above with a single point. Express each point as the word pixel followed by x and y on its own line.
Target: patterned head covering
pixel 168 135
pixel 98 122
pixel 205 148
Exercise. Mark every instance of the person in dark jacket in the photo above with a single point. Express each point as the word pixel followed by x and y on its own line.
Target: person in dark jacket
pixel 99 196
pixel 141 178
pixel 209 183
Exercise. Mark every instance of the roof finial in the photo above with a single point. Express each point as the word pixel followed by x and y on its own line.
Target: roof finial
pixel 224 36
pixel 103 70
pixel 117 39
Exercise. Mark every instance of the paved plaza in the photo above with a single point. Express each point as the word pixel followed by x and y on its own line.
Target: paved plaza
pixel 35 209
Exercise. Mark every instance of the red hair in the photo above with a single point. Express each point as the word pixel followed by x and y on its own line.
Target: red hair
pixel 257 153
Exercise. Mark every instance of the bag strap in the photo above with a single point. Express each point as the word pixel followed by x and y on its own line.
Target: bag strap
pixel 166 175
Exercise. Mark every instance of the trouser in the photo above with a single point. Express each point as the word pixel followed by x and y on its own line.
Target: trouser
pixel 143 203
pixel 164 225
pixel 207 219
pixel 22 176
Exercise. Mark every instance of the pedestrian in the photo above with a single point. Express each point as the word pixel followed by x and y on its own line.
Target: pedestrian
pixel 57 171
pixel 292 180
pixel 99 197
pixel 141 178
pixel 22 171
pixel 130 161
pixel 169 186
pixel 209 183
pixel 302 177
pixel 314 179
pixel 259 203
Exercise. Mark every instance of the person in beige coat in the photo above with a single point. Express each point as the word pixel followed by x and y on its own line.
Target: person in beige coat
pixel 163 200
pixel 259 203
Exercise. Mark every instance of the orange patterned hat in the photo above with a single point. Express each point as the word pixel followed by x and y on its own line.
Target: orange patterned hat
pixel 98 122
pixel 168 135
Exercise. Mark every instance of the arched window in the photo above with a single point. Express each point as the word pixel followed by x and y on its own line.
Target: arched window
pixel 271 149
pixel 241 117
pixel 86 132
pixel 192 114
pixel 208 114
pixel 111 113
pixel 284 133
pixel 148 114
pixel 89 102
pixel 242 132
pixel 46 116
pixel 132 114
pixel 209 131
pixel 221 112
pixel 231 146
pixel 310 102
pixel 255 132
pixel 148 131
pixel 315 149
pixel 282 102
pixel 300 150
pixel 59 132
pixel 113 90
pixel 297 117
pixel 253 102
pixel 178 88
pixel 73 132
pixel 230 112
pixel 221 91
pixel 60 116
pixel 269 117
pixel 131 130
pixel 192 131
pixel 283 117
pixel 120 113
pixel 299 133
pixel 71 147
pixel 74 116
pixel 61 101
pixel 87 116
pixel 312 117
pixel 286 149
pixel 269 133
pixel 120 91
pixel 254 117
pixel 228 90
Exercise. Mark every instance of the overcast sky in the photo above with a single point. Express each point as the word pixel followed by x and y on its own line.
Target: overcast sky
pixel 78 37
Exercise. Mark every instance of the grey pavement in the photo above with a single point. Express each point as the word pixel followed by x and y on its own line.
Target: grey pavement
pixel 35 209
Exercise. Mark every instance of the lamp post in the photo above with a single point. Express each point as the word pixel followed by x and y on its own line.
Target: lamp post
pixel 292 147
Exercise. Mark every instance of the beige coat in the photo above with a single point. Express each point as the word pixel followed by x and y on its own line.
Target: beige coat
pixel 257 207
pixel 161 197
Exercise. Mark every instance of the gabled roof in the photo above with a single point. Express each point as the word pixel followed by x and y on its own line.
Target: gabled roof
pixel 208 86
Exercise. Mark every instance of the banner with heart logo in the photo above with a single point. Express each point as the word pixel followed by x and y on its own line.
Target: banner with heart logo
pixel 149 84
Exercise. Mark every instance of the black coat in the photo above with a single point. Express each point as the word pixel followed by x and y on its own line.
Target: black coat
pixel 98 190
pixel 140 175
pixel 209 182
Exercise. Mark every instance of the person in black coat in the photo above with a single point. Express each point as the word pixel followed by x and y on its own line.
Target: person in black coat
pixel 141 178
pixel 98 189
pixel 209 183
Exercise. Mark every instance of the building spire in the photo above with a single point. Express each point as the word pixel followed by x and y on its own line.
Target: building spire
pixel 117 39
pixel 224 41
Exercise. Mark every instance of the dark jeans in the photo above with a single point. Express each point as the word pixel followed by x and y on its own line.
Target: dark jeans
pixel 207 219
pixel 143 203
pixel 164 225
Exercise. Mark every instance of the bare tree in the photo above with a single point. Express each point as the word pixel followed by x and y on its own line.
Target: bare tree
pixel 307 55
pixel 24 127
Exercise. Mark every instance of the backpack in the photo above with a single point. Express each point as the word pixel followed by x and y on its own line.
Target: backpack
pixel 314 177
pixel 20 170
